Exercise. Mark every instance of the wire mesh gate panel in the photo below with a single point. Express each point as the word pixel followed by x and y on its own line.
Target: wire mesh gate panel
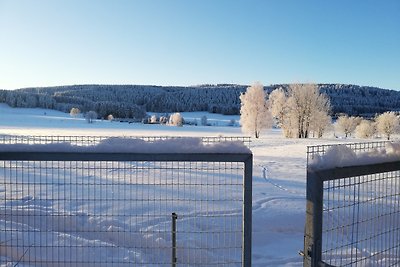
pixel 118 209
pixel 353 215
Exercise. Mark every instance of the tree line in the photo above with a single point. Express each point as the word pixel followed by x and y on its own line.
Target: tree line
pixel 301 110
pixel 133 101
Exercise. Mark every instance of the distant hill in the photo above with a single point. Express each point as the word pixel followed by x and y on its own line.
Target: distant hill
pixel 132 101
pixel 361 100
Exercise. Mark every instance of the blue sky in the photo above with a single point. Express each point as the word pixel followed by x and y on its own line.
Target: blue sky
pixel 188 42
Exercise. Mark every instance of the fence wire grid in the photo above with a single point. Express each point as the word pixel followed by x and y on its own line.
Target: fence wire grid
pixel 361 220
pixel 357 222
pixel 320 150
pixel 119 212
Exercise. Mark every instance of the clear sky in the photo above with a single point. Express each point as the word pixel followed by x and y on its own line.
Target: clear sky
pixel 188 42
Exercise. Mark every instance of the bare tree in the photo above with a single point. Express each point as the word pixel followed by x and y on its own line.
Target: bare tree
pixel 347 124
pixel 90 116
pixel 301 108
pixel 176 119
pixel 320 122
pixel 387 124
pixel 277 105
pixel 163 120
pixel 153 119
pixel 74 112
pixel 366 129
pixel 289 125
pixel 254 113
pixel 110 117
pixel 204 120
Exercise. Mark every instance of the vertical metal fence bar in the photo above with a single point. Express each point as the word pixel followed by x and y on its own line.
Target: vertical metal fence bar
pixel 313 229
pixel 247 211
pixel 174 260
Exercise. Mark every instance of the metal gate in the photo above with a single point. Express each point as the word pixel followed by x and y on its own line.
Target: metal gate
pixel 353 213
pixel 125 209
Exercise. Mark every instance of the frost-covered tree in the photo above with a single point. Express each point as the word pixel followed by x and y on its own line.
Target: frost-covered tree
pixel 74 112
pixel 366 129
pixel 343 125
pixel 320 122
pixel 90 116
pixel 304 104
pixel 254 112
pixel 232 122
pixel 204 120
pixel 153 119
pixel 347 125
pixel 289 126
pixel 176 119
pixel 277 105
pixel 387 124
pixel 163 120
pixel 110 117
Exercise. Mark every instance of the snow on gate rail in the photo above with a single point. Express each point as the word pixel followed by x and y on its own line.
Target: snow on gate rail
pixel 94 140
pixel 353 210
pixel 112 204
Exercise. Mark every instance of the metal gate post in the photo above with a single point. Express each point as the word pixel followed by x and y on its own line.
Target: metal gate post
pixel 313 227
pixel 247 211
pixel 174 259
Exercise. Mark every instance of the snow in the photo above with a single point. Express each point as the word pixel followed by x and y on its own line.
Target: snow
pixel 37 121
pixel 342 156
pixel 129 145
pixel 279 184
pixel 213 119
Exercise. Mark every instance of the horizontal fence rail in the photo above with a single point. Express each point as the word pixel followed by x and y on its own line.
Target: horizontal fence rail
pixel 353 213
pixel 93 140
pixel 122 209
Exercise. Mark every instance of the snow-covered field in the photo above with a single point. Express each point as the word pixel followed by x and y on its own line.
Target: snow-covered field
pixel 278 175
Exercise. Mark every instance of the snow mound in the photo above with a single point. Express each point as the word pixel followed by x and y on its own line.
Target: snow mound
pixel 129 145
pixel 343 156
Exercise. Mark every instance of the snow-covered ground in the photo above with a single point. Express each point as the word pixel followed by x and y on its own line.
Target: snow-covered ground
pixel 278 176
